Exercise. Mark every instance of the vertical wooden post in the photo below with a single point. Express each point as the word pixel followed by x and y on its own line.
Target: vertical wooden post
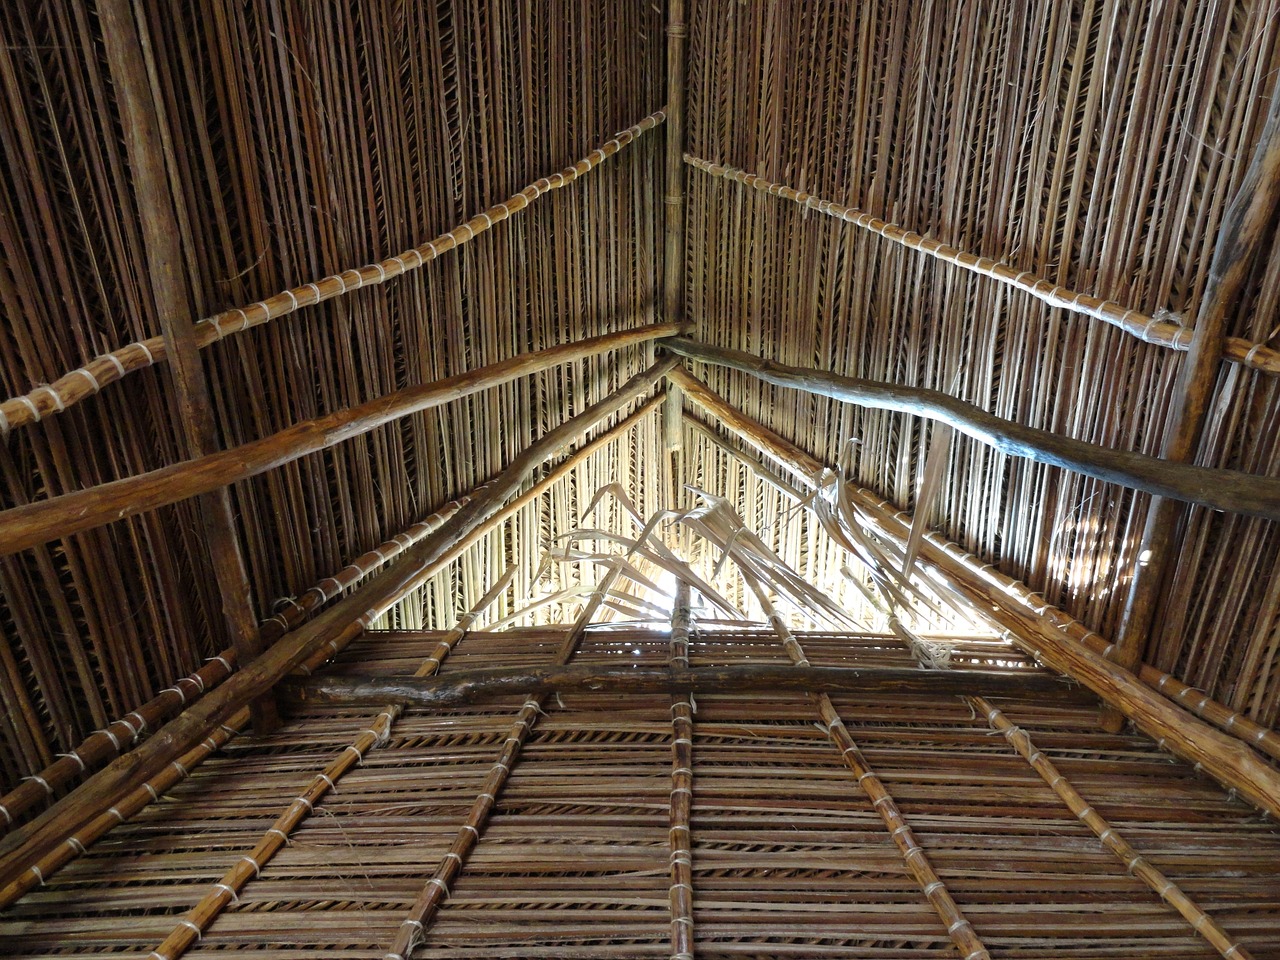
pixel 130 61
pixel 673 202
pixel 1245 226
pixel 680 838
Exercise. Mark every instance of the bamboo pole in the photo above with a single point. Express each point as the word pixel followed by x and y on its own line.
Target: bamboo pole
pixel 339 623
pixel 423 911
pixel 85 381
pixel 1162 333
pixel 22 527
pixel 1246 225
pixel 55 858
pixel 1135 864
pixel 1226 758
pixel 476 686
pixel 130 60
pixel 1218 489
pixel 679 837
pixel 191 928
pixel 673 265
pixel 958 928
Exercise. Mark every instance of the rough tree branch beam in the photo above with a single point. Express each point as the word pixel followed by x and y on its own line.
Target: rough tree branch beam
pixel 1219 489
pixel 1218 754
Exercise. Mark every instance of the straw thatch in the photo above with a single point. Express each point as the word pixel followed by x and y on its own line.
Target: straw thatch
pixel 694 334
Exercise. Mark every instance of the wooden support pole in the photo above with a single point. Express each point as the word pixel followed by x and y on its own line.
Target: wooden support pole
pixel 1247 222
pixel 1135 864
pixel 679 836
pixel 958 927
pixel 476 686
pixel 414 927
pixel 673 272
pixel 45 520
pixel 1162 333
pixel 130 59
pixel 1219 489
pixel 23 847
pixel 199 918
pixel 1224 757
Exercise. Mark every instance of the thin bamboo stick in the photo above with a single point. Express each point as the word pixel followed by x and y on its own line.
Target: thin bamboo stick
pixel 1135 863
pixel 87 380
pixel 23 527
pixel 1245 227
pixel 679 837
pixel 191 928
pixel 423 911
pixel 338 624
pixel 1163 333
pixel 1218 489
pixel 1225 757
pixel 958 928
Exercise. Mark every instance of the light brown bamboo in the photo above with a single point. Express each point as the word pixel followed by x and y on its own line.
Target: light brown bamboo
pixel 1246 224
pixel 679 837
pixel 1135 863
pixel 130 61
pixel 1218 489
pixel 85 381
pixel 22 527
pixel 1163 333
pixel 958 927
pixel 37 873
pixel 673 265
pixel 334 626
pixel 423 911
pixel 1226 758
pixel 190 929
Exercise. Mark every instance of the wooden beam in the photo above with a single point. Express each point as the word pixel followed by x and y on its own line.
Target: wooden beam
pixel 673 283
pixel 1222 756
pixel 1219 489
pixel 45 520
pixel 130 59
pixel 680 809
pixel 23 847
pixel 1246 224
pixel 474 686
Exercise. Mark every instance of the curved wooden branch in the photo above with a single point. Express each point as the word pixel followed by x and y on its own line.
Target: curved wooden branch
pixel 1219 489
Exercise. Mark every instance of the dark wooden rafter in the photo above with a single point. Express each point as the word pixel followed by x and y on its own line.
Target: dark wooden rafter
pixel 679 836
pixel 190 929
pixel 1229 760
pixel 45 520
pixel 434 892
pixel 1246 224
pixel 1220 489
pixel 131 61
pixel 1135 864
pixel 317 639
pixel 959 930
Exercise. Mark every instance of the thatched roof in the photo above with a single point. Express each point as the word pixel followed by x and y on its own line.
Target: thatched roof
pixel 345 236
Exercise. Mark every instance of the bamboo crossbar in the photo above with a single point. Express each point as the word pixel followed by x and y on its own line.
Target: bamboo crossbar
pixel 1223 756
pixel 679 836
pixel 1154 330
pixel 248 867
pixel 477 686
pixel 1218 489
pixel 959 929
pixel 44 520
pixel 1135 864
pixel 89 379
pixel 36 874
pixel 424 909
pixel 340 623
